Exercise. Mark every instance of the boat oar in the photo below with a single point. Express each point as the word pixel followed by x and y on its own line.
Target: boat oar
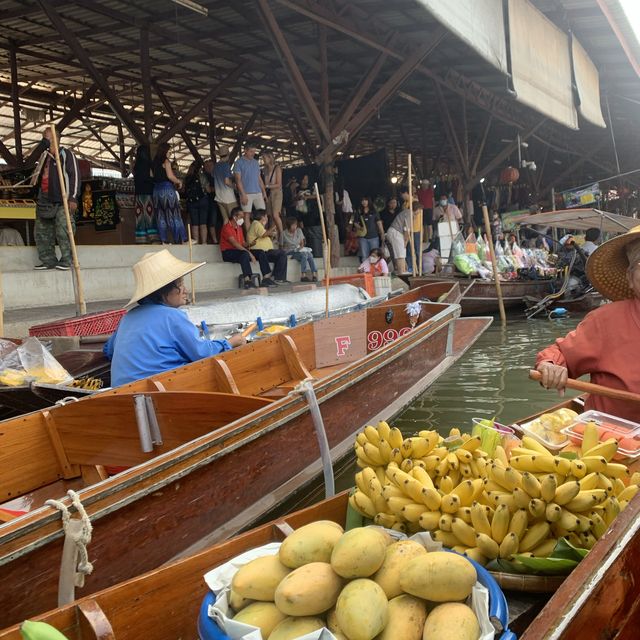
pixel 250 328
pixel 594 389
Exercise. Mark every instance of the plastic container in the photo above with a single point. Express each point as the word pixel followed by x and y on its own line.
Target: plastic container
pixel 627 433
pixel 500 428
pixel 91 324
pixel 551 445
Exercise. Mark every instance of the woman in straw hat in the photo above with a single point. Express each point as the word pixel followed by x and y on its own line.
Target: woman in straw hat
pixel 605 344
pixel 155 335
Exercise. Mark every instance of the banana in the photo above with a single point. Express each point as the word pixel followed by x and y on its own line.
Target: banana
pixel 585 523
pixel 537 508
pixel 599 525
pixel 500 455
pixel 578 469
pixel 487 546
pixel 396 505
pixel 611 509
pixel 407 465
pixel 500 523
pixel 450 503
pixel 431 462
pixel 391 491
pixel 443 467
pixel 534 536
pixel 464 456
pixel 590 437
pixel 441 452
pixel 429 520
pixel 419 464
pixel 465 533
pixel 445 521
pixel 568 521
pixel 521 498
pixel 360 482
pixel 534 463
pixel 372 435
pixel 363 504
pixel 431 498
pixel 590 481
pixel 545 548
pixel 509 545
pixel 362 456
pixel 519 522
pixel 376 495
pixel 385 451
pixel 400 526
pixel 476 471
pixel 386 520
pixel 421 447
pixel 373 453
pixel 36 630
pixel 384 430
pixel 512 478
pixel 422 477
pixel 606 449
pixel 464 513
pixel 531 484
pixel 381 475
pixel 472 443
pixel 566 492
pixel 361 439
pixel 553 512
pixel 412 512
pixel 447 538
pixel 465 471
pixel 563 465
pixel 595 463
pixel 605 483
pixel 466 492
pixel 475 554
pixel 395 438
pixel 618 486
pixel 586 500
pixel 532 444
pixel 479 519
pixel 446 485
pixel 548 486
pixel 618 471
pixel 454 431
pixel 588 539
pixel 628 493
pixel 508 500
pixel 452 460
pixel 413 488
pixel 396 456
pixel 481 465
pixel 635 478
pixel 456 476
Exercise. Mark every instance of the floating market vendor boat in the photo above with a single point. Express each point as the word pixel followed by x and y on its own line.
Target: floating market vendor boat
pixel 218 444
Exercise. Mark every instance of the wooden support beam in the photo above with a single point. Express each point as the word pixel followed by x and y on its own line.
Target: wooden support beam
pixel 477 152
pixel 505 153
pixel 289 64
pixel 15 100
pixel 324 74
pixel 7 156
pixel 302 147
pixel 212 132
pixel 97 77
pixel 123 153
pixel 242 136
pixel 145 78
pixel 450 131
pixel 174 118
pixel 211 95
pixel 96 134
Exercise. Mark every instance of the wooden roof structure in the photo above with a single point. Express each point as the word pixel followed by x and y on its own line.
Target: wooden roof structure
pixel 292 75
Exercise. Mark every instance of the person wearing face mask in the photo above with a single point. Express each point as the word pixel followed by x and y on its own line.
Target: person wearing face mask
pixel 375 264
pixel 234 249
pixel 605 344
pixel 446 211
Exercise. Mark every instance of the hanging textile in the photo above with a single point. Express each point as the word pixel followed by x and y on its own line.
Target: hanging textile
pixel 588 84
pixel 479 23
pixel 540 63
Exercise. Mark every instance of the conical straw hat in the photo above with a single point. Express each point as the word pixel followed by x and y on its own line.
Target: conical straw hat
pixel 155 270
pixel 607 266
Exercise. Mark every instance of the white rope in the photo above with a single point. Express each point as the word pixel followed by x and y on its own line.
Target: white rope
pixel 78 530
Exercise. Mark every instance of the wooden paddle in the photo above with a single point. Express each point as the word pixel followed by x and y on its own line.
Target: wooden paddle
pixel 252 327
pixel 595 389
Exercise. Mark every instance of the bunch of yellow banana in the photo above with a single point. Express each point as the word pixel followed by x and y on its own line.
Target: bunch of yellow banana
pixel 489 508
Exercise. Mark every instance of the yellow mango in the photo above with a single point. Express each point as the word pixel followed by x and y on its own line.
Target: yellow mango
pixel 264 615
pixel 451 621
pixel 407 616
pixel 313 542
pixel 439 576
pixel 237 602
pixel 395 558
pixel 362 610
pixel 291 628
pixel 308 590
pixel 359 553
pixel 258 579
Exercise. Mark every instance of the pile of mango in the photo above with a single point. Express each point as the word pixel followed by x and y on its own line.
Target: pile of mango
pixel 360 585
pixel 506 506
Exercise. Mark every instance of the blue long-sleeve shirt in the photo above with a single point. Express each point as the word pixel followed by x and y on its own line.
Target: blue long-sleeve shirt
pixel 152 338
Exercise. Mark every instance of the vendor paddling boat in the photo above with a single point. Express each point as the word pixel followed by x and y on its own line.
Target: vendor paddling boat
pixel 218 444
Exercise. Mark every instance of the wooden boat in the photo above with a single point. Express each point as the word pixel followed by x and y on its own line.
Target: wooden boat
pixel 480 297
pixel 598 600
pixel 580 304
pixel 236 440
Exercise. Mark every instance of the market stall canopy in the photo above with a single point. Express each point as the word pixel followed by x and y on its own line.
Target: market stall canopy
pixel 580 219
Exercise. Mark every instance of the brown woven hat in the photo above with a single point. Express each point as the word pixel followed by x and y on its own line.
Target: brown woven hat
pixel 607 266
pixel 155 270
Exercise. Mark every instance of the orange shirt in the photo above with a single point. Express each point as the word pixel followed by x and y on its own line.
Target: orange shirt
pixel 606 345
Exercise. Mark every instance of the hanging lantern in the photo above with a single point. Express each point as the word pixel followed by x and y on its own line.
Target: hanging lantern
pixel 509 175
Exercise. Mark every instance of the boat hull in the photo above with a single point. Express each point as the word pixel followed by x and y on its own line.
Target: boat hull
pixel 214 487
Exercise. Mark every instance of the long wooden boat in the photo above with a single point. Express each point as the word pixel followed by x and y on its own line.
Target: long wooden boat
pixel 581 304
pixel 598 600
pixel 236 440
pixel 479 296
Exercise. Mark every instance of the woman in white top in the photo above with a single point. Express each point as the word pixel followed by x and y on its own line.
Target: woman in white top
pixel 273 183
pixel 293 245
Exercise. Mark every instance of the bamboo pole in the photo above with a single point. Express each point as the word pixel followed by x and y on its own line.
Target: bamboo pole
pixel 193 282
pixel 410 179
pixel 1 307
pixel 78 287
pixel 326 252
pixel 494 264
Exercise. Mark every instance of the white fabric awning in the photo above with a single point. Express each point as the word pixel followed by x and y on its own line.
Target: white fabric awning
pixel 479 23
pixel 540 63
pixel 588 84
pixel 580 220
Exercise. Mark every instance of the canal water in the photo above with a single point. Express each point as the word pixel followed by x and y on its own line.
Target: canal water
pixel 490 381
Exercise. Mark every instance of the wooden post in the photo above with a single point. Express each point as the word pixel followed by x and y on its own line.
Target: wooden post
pixel 410 180
pixel 193 282
pixel 494 264
pixel 1 307
pixel 78 287
pixel 326 253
